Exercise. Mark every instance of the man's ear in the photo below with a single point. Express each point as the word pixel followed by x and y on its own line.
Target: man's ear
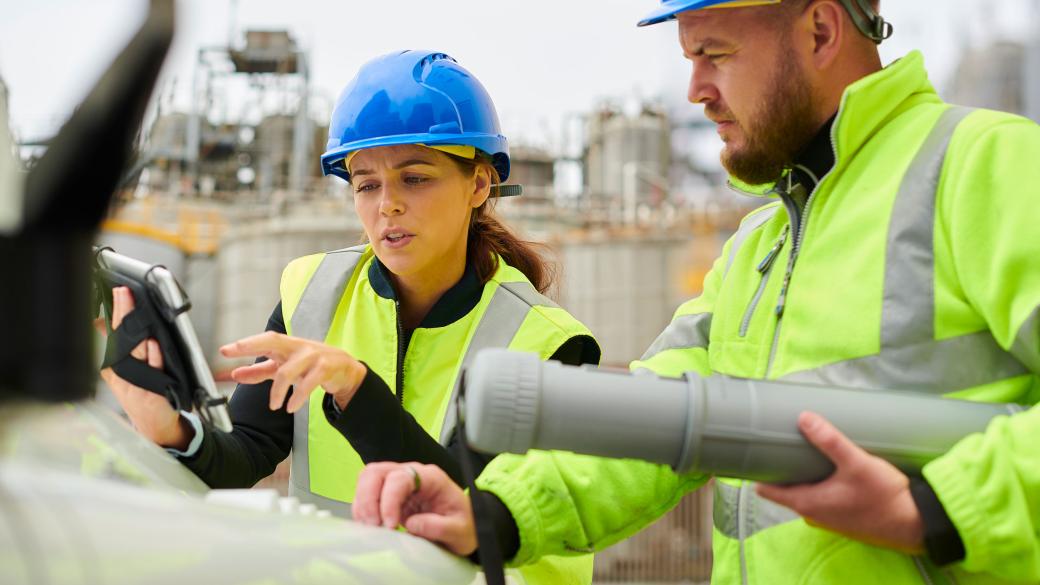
pixel 827 23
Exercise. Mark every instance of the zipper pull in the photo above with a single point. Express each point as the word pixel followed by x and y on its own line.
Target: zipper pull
pixel 781 302
pixel 766 262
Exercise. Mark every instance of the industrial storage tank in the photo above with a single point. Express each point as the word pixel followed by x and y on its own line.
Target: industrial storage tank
pixel 616 142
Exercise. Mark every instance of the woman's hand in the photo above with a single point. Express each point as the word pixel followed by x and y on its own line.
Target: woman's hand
pixel 422 498
pixel 300 363
pixel 150 413
pixel 866 498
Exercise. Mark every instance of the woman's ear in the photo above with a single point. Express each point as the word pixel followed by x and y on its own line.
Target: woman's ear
pixel 481 186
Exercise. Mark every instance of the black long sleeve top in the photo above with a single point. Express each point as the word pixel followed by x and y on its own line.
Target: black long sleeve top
pixel 374 421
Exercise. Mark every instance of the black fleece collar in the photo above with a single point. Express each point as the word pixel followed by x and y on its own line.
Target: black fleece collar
pixel 453 305
pixel 816 159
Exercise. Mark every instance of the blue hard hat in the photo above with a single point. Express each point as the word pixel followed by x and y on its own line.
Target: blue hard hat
pixel 867 21
pixel 413 97
pixel 669 8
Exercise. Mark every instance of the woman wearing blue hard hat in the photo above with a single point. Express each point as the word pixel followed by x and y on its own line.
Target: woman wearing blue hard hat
pixel 384 329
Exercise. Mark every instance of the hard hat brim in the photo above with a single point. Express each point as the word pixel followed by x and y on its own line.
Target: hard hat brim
pixel 493 145
pixel 669 8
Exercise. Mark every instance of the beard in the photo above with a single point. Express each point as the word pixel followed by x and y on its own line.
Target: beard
pixel 779 128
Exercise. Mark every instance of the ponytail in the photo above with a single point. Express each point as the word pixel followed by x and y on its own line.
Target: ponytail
pixel 490 239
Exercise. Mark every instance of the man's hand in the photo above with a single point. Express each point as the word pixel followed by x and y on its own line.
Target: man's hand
pixel 300 363
pixel 422 498
pixel 866 498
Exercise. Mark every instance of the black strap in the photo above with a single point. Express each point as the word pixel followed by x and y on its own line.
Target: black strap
pixel 121 341
pixel 487 541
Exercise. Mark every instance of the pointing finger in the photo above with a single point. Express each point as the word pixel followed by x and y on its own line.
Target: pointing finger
pixel 255 373
pixel 268 344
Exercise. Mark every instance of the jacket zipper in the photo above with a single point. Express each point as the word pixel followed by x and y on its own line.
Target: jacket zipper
pixel 799 221
pixel 765 267
pixel 742 530
pixel 925 577
pixel 400 355
pixel 802 221
pixel 794 220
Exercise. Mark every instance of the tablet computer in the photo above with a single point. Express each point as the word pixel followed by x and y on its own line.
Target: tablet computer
pixel 187 382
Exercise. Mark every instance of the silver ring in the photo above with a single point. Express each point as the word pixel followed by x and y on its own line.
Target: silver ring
pixel 416 480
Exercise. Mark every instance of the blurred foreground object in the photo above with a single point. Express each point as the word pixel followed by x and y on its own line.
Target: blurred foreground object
pixel 84 498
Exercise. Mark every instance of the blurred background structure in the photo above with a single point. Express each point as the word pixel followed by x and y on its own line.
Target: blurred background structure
pixel 621 175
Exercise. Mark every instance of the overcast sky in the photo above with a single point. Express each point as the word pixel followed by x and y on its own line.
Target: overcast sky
pixel 541 60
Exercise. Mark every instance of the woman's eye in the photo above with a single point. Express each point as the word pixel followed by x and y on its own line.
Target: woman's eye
pixel 415 180
pixel 365 187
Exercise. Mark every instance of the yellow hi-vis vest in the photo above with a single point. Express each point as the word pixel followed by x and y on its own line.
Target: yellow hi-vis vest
pixel 328 297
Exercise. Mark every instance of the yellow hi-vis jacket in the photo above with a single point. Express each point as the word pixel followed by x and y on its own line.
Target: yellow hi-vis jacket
pixel 329 297
pixel 916 266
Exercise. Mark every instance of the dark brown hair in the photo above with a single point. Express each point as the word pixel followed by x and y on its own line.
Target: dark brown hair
pixel 489 238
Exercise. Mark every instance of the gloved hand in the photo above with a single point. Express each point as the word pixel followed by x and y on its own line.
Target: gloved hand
pixel 150 413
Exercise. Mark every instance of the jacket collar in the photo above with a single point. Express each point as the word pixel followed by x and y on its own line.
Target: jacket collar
pixel 453 305
pixel 815 160
pixel 870 103
pixel 866 106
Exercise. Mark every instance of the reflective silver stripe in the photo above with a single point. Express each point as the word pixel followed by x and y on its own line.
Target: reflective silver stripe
pixel 908 309
pixel 760 513
pixel 299 465
pixel 336 507
pixel 684 332
pixel 313 315
pixel 312 320
pixel 724 499
pixel 501 322
pixel 938 366
pixel 910 357
pixel 764 513
pixel 1026 346
pixel 528 294
pixel 751 223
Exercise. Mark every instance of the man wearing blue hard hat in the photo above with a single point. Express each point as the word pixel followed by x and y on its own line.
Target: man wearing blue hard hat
pixel 895 249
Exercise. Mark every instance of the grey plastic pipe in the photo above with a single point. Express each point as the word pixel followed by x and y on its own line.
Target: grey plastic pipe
pixel 719 425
